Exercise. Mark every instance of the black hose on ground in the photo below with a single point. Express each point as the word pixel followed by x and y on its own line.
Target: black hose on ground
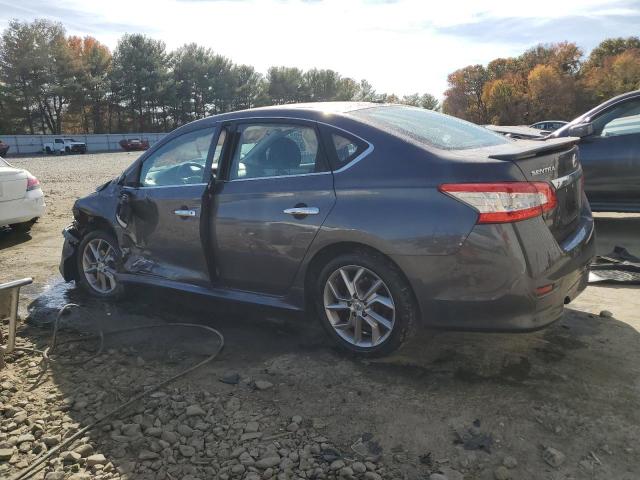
pixel 36 465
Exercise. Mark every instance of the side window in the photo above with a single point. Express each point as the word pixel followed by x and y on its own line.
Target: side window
pixel 271 150
pixel 58 140
pixel 181 161
pixel 346 148
pixel 623 119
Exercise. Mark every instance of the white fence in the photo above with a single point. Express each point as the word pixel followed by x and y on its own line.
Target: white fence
pixel 107 142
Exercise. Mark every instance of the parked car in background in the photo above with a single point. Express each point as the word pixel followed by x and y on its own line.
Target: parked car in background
pixel 21 198
pixel 380 216
pixel 64 145
pixel 520 132
pixel 132 144
pixel 549 125
pixel 4 148
pixel 610 152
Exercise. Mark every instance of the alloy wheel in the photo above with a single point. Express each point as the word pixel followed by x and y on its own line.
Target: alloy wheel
pixel 359 306
pixel 98 261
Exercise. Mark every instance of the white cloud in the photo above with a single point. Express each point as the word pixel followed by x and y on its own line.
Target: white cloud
pixel 397 46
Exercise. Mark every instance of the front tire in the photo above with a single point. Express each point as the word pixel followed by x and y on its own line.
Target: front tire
pixel 365 304
pixel 97 260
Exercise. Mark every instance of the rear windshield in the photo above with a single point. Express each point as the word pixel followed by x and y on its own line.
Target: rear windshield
pixel 426 126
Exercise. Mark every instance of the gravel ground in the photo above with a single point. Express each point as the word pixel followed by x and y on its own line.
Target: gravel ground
pixel 279 402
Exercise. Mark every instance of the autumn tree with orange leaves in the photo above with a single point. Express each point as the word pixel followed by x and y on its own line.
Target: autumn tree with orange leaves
pixel 547 82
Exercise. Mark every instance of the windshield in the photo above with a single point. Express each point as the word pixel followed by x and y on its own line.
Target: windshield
pixel 426 126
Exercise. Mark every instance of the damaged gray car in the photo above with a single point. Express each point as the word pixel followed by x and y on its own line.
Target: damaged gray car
pixel 377 218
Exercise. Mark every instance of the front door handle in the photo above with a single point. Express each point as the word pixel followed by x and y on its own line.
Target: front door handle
pixel 302 211
pixel 186 213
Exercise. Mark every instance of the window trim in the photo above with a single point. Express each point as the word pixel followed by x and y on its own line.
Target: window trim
pixel 207 164
pixel 236 124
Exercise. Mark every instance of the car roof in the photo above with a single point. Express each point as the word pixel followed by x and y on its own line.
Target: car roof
pixel 305 111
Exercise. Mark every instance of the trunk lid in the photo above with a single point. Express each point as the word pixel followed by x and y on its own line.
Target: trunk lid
pixel 13 183
pixel 555 161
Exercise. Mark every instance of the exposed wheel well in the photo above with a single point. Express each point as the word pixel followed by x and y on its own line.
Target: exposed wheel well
pixel 88 223
pixel 331 251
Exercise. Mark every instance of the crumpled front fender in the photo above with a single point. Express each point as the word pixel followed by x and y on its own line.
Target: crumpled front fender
pixel 68 264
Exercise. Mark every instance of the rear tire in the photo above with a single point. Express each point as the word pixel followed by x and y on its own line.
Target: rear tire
pixel 97 262
pixel 378 302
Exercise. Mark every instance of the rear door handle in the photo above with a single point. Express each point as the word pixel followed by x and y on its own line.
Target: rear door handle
pixel 302 211
pixel 186 213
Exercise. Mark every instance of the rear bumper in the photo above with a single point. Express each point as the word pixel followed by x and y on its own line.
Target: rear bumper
pixel 490 283
pixel 31 206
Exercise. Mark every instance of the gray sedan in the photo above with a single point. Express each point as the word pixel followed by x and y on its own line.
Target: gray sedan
pixel 378 218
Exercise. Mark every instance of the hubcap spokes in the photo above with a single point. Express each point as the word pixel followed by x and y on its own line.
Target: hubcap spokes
pixel 359 306
pixel 98 261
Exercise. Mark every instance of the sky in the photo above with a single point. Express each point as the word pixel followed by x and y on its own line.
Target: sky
pixel 400 46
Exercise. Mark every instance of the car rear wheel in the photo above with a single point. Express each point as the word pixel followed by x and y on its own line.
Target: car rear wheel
pixel 365 304
pixel 98 256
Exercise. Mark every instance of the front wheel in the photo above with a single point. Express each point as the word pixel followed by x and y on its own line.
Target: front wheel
pixel 365 303
pixel 97 260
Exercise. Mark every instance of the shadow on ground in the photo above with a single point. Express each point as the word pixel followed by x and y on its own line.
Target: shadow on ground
pixel 10 238
pixel 573 386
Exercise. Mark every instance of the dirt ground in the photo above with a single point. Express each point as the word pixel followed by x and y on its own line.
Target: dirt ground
pixel 562 403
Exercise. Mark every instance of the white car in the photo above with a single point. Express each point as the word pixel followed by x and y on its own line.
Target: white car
pixel 21 198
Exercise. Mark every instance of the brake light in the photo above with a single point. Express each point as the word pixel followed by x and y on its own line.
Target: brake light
pixel 506 201
pixel 32 183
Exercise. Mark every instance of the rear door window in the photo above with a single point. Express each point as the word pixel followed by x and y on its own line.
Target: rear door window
pixel 273 150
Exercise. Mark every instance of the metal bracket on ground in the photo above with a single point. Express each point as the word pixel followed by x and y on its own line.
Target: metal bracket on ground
pixel 9 299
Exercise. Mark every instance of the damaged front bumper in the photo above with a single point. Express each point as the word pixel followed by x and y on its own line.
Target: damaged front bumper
pixel 68 261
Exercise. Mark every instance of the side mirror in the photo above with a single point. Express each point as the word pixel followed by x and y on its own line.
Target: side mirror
pixel 580 130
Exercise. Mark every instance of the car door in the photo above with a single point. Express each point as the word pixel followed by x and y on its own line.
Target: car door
pixel 166 207
pixel 611 155
pixel 276 191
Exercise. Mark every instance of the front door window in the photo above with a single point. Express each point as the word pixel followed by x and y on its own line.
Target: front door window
pixel 181 161
pixel 623 119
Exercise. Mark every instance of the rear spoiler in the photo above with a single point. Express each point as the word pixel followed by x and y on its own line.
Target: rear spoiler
pixel 537 147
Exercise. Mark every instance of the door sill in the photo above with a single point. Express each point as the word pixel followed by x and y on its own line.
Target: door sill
pixel 214 292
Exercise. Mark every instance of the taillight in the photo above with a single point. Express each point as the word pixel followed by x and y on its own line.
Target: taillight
pixel 32 183
pixel 506 201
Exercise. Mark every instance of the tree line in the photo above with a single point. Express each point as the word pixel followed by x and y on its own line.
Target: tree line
pixel 547 82
pixel 53 83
